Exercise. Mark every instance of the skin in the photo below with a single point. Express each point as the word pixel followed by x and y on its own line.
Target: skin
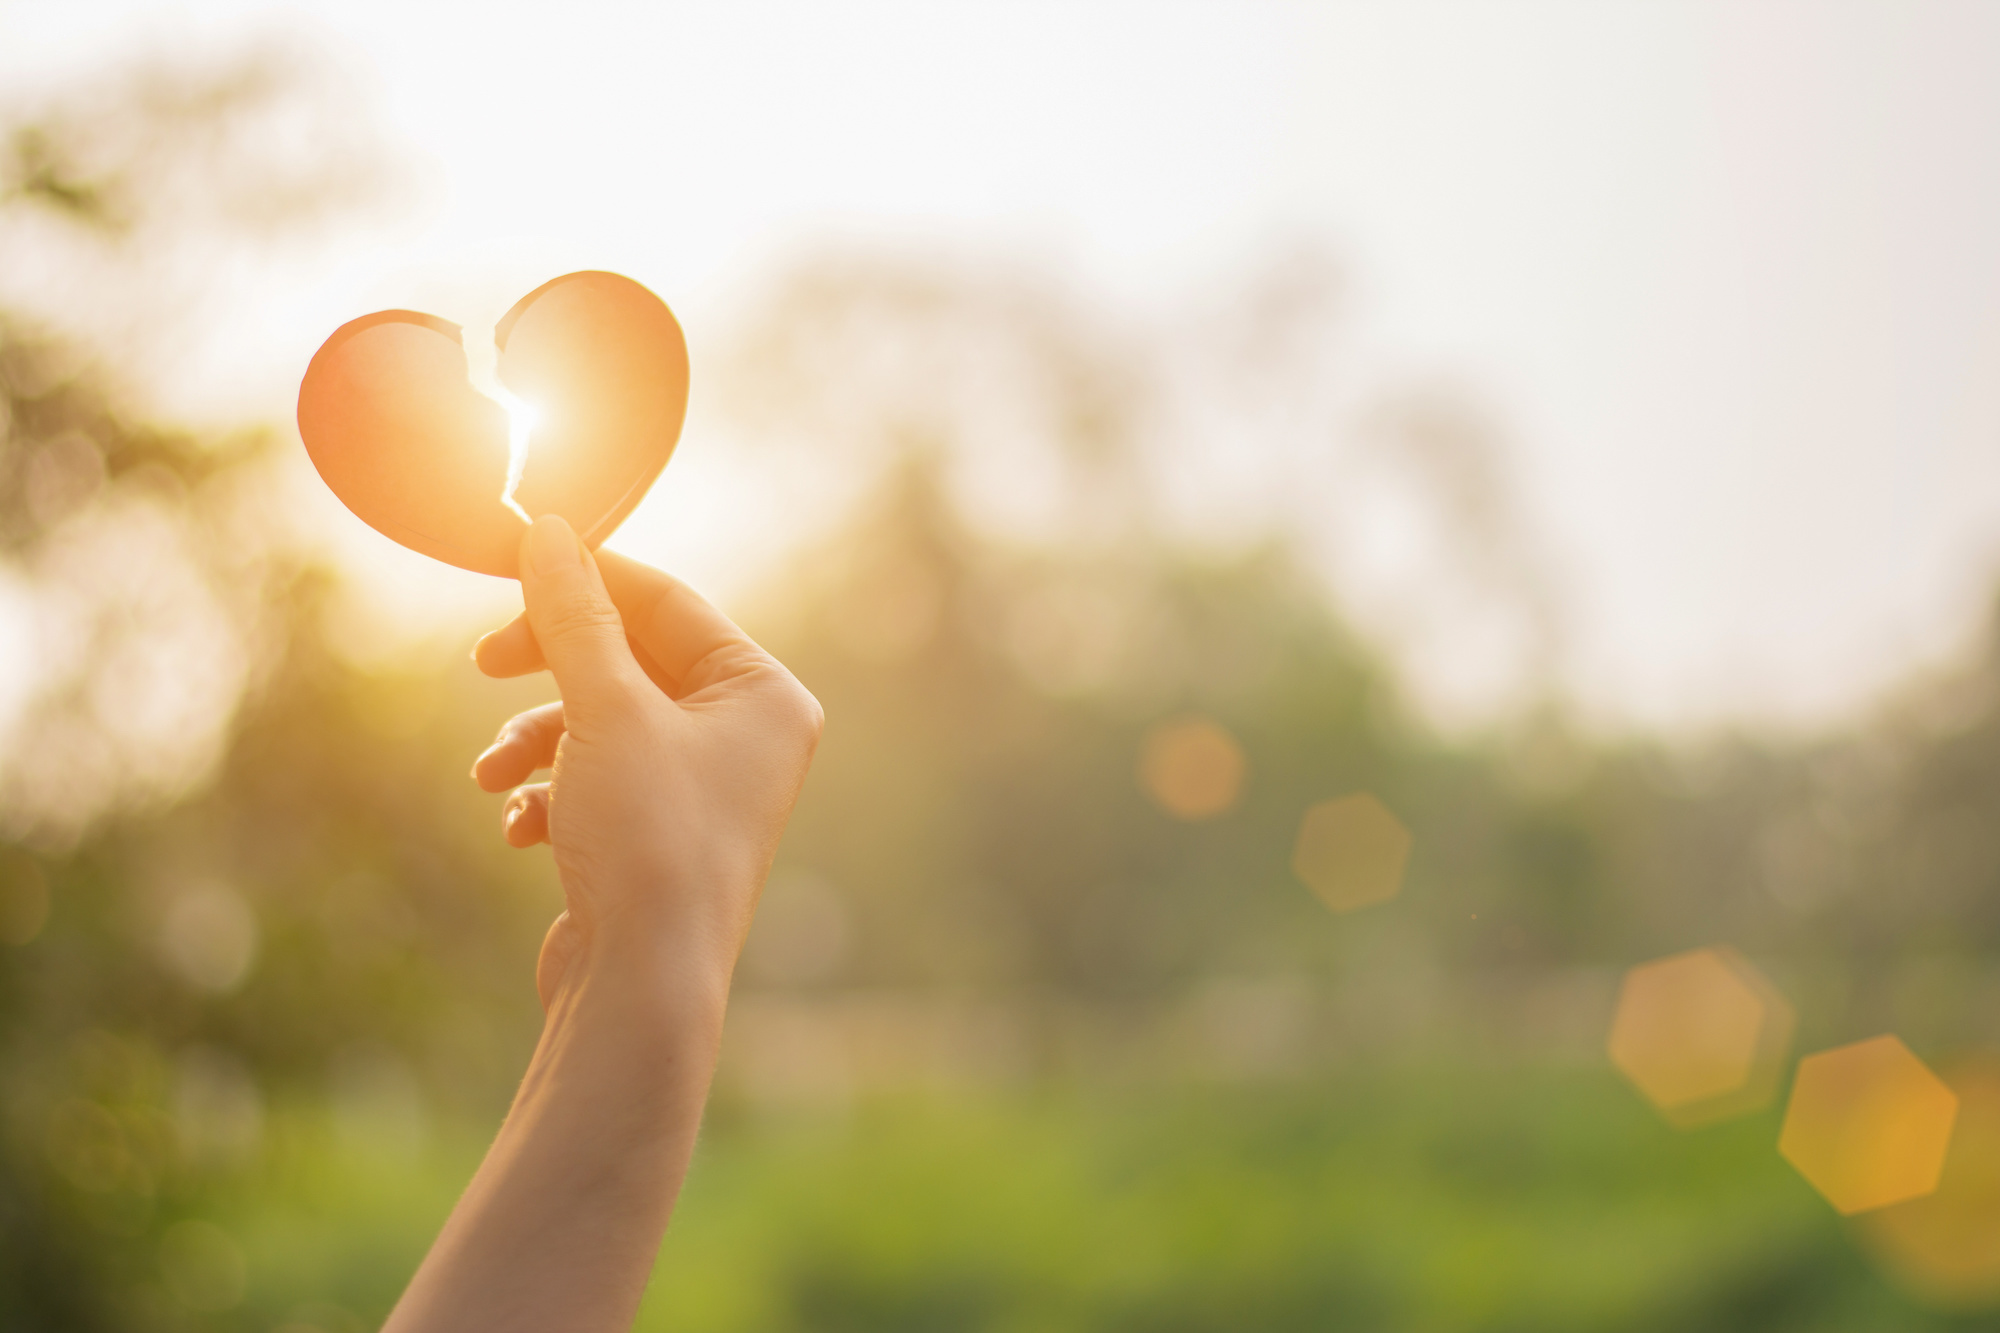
pixel 677 752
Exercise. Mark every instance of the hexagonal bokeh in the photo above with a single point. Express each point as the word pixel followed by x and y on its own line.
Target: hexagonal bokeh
pixel 1352 852
pixel 1945 1247
pixel 1701 1034
pixel 1192 767
pixel 1868 1124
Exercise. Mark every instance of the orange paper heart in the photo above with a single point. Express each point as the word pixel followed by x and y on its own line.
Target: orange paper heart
pixel 399 433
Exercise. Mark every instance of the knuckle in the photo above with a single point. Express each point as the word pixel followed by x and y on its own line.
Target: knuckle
pixel 583 618
pixel 524 728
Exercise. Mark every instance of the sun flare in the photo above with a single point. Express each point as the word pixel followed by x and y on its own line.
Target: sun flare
pixel 522 417
pixel 482 371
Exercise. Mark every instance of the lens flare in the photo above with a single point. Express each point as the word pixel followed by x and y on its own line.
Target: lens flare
pixel 1352 852
pixel 1702 1035
pixel 1945 1247
pixel 1192 767
pixel 1868 1124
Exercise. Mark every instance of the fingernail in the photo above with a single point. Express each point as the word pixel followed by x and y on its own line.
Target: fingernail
pixel 484 755
pixel 552 546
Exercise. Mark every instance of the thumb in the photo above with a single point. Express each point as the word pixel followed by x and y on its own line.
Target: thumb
pixel 582 638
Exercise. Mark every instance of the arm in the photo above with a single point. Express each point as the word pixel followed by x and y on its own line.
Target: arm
pixel 678 749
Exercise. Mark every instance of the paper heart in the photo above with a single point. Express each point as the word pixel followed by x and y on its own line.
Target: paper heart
pixel 401 436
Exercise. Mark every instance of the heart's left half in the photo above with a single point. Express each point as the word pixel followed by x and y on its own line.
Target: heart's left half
pixel 401 436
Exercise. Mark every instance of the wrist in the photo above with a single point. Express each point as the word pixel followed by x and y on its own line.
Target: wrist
pixel 644 981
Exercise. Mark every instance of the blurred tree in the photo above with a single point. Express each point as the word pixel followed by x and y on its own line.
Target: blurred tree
pixel 204 904
pixel 249 904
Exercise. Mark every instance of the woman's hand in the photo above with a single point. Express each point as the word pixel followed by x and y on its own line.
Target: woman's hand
pixel 678 749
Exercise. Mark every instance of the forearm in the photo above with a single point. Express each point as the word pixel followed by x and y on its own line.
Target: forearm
pixel 663 816
pixel 560 1225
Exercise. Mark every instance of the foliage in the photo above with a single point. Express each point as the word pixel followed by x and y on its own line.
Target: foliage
pixel 1015 1048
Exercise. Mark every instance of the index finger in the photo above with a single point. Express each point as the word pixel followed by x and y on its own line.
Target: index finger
pixel 686 636
pixel 690 641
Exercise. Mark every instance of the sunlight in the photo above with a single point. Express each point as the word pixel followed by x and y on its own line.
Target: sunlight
pixel 522 417
pixel 482 371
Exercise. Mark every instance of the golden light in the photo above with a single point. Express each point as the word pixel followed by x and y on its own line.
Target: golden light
pixel 482 372
pixel 522 418
pixel 1868 1124
pixel 1192 767
pixel 1945 1247
pixel 1702 1035
pixel 1352 852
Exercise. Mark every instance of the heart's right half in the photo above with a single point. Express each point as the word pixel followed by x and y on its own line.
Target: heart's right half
pixel 401 436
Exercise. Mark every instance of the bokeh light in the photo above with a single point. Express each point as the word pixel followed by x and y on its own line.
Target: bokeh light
pixel 1945 1247
pixel 1352 852
pixel 1106 584
pixel 1192 767
pixel 1701 1034
pixel 208 938
pixel 1868 1124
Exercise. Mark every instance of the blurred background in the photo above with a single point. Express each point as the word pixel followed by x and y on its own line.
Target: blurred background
pixel 1327 536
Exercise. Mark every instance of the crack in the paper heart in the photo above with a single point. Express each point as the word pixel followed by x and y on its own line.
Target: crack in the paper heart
pixel 482 371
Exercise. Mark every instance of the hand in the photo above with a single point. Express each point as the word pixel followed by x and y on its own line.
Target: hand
pixel 678 749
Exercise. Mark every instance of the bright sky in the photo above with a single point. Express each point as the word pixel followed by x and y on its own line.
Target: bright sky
pixel 1730 271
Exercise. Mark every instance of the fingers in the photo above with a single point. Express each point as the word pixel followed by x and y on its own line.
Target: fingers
pixel 581 635
pixel 525 820
pixel 509 651
pixel 690 642
pixel 527 742
pixel 512 651
pixel 693 643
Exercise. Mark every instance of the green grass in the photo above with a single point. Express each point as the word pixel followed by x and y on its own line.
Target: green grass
pixel 1474 1200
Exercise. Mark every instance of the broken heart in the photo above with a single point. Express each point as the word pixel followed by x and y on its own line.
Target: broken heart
pixel 398 432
